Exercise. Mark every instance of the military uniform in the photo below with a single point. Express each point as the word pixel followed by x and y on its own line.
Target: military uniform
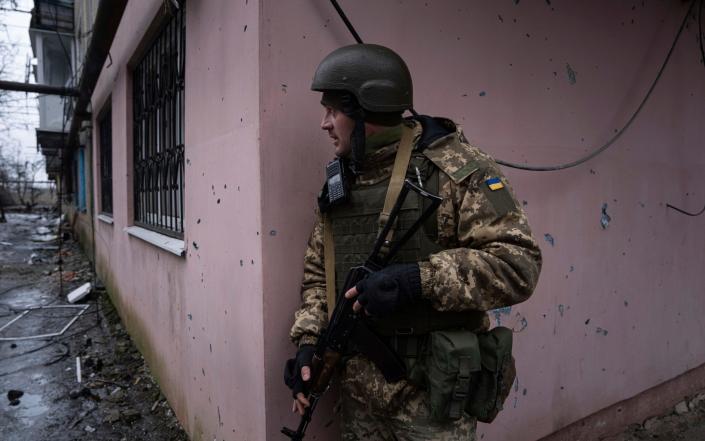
pixel 486 258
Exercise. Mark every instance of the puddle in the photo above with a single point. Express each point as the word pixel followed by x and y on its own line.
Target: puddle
pixel 30 407
pixel 44 237
pixel 25 297
pixel 39 379
pixel 24 217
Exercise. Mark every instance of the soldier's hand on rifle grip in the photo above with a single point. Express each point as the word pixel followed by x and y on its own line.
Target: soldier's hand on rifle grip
pixel 297 374
pixel 349 294
pixel 387 290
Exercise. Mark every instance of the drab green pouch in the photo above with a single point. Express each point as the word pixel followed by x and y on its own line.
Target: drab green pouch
pixel 452 358
pixel 468 372
pixel 491 385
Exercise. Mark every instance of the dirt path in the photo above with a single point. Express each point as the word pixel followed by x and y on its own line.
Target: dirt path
pixel 42 399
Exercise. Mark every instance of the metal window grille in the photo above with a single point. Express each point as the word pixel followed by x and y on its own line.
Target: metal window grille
pixel 158 108
pixel 106 162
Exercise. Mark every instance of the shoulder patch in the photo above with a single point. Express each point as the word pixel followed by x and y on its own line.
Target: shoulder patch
pixel 456 159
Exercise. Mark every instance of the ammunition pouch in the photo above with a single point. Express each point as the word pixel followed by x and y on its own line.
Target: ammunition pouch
pixel 491 385
pixel 453 357
pixel 461 370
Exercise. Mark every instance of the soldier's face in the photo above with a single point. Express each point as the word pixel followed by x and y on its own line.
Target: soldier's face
pixel 339 127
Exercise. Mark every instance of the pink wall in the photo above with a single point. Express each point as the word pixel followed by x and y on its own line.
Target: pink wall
pixel 197 319
pixel 617 310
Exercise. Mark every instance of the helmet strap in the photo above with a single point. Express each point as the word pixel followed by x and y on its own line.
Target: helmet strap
pixel 351 108
pixel 357 141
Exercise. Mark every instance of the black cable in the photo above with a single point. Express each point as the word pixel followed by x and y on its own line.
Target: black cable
pixel 346 21
pixel 30 351
pixel 15 10
pixel 59 196
pixel 685 212
pixel 623 129
pixel 21 285
pixel 51 342
pixel 61 357
pixel 35 365
pixel 700 31
pixel 616 136
pixel 355 35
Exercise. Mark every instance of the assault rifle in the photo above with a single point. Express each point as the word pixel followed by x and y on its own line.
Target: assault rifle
pixel 349 330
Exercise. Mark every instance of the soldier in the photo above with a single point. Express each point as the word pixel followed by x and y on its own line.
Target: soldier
pixel 476 254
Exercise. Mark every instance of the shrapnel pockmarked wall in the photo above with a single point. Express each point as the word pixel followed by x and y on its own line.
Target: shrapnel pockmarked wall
pixel 618 306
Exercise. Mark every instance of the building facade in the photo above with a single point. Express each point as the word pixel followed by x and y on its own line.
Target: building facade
pixel 59 32
pixel 207 156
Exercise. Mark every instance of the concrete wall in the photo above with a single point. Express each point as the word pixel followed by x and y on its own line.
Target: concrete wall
pixel 617 310
pixel 197 319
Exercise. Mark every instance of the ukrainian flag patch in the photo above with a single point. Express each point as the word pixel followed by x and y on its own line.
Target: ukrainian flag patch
pixel 494 184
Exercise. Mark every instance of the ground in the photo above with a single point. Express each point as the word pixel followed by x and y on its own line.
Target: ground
pixel 686 422
pixel 117 399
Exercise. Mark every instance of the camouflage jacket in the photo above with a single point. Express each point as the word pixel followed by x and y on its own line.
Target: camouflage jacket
pixel 490 259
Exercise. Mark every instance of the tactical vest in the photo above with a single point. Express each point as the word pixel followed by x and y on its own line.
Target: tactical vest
pixel 355 226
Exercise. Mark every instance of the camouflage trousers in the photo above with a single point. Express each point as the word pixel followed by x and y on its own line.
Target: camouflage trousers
pixel 411 422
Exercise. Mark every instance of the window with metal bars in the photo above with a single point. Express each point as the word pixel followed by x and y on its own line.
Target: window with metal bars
pixel 158 109
pixel 105 132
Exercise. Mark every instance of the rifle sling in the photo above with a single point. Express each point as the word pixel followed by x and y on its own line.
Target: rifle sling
pixel 329 263
pixel 378 352
pixel 396 181
pixel 401 164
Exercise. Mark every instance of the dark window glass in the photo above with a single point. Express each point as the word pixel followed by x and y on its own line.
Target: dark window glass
pixel 158 108
pixel 81 170
pixel 106 162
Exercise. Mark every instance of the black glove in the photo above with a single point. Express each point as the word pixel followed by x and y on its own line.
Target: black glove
pixel 292 369
pixel 390 289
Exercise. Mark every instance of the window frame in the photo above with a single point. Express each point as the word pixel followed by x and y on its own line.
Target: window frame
pixel 105 151
pixel 158 138
pixel 81 193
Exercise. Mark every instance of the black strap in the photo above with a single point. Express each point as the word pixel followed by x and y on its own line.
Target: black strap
pixel 376 350
pixel 462 388
pixel 422 319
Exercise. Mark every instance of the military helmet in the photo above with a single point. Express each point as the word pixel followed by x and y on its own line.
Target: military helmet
pixel 374 74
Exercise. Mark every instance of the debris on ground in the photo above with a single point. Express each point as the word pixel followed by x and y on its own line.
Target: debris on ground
pixel 685 422
pixel 116 398
pixel 14 396
pixel 79 293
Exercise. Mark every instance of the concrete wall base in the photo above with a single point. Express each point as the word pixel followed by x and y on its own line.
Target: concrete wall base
pixel 81 225
pixel 635 410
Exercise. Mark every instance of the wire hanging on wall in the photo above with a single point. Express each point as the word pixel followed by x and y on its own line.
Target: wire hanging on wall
pixel 619 132
pixel 700 32
pixel 686 212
